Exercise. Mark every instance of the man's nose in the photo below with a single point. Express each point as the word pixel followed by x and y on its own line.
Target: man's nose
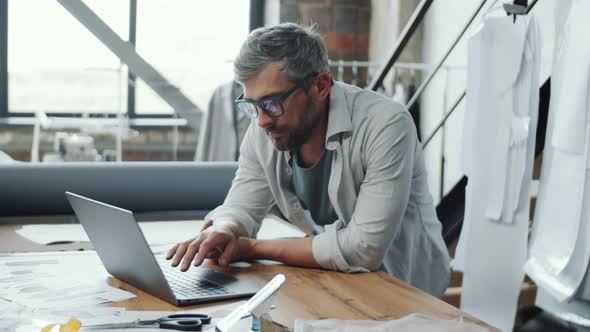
pixel 264 121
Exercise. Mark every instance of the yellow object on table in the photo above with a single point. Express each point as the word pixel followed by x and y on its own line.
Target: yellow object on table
pixel 73 325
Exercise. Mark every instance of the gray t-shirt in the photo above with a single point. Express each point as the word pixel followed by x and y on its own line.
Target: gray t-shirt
pixel 311 187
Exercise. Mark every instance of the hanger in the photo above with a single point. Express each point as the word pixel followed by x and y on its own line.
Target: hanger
pixel 519 7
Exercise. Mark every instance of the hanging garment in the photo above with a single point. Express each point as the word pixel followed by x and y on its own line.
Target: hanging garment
pixel 399 92
pixel 559 254
pixel 223 127
pixel 498 151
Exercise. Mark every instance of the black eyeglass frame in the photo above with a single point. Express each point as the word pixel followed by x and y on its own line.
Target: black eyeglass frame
pixel 279 98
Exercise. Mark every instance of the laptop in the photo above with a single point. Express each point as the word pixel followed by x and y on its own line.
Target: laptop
pixel 125 253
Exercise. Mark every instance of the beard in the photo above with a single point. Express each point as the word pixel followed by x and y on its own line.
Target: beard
pixel 297 136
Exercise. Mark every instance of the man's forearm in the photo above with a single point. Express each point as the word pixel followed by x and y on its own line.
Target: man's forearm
pixel 289 251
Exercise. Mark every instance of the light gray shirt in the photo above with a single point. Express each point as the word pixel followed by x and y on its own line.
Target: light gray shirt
pixel 378 185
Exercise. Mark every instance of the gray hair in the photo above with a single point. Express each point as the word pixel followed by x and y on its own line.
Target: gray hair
pixel 299 49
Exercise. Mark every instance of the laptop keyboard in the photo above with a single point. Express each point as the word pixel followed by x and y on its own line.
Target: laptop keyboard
pixel 188 284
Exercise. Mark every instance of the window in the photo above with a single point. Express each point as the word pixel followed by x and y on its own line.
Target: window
pixel 56 65
pixel 191 43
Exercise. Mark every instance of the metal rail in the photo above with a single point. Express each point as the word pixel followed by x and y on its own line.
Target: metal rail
pixel 444 58
pixel 405 36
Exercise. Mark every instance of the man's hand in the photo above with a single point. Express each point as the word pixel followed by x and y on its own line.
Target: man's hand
pixel 212 242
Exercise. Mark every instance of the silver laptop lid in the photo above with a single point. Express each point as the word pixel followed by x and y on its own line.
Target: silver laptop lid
pixel 121 245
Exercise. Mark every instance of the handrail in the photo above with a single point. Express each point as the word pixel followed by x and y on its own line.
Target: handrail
pixel 444 58
pixel 443 120
pixel 400 45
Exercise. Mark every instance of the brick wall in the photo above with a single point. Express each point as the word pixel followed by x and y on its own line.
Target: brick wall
pixel 343 24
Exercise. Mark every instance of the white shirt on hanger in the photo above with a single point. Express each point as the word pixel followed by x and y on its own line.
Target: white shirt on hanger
pixel 500 125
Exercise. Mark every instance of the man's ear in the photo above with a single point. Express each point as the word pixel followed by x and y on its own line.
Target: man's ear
pixel 323 85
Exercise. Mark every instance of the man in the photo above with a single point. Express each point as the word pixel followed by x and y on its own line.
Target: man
pixel 342 163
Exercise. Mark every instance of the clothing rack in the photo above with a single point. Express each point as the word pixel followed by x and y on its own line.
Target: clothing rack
pixel 400 45
pixel 356 65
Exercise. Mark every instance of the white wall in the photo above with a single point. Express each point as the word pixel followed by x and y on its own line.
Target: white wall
pixel 443 23
pixel 272 12
pixel 384 33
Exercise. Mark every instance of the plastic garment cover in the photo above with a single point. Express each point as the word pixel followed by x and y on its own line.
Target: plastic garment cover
pixel 498 151
pixel 559 254
pixel 410 323
pixel 560 250
pixel 575 311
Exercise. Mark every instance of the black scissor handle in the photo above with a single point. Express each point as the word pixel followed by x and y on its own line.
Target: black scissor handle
pixel 181 324
pixel 205 319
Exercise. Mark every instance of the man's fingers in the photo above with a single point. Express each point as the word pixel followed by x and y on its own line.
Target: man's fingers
pixel 208 224
pixel 211 244
pixel 192 250
pixel 172 251
pixel 180 253
pixel 228 253
pixel 213 254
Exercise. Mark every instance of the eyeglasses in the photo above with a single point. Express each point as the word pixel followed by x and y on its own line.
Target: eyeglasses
pixel 273 105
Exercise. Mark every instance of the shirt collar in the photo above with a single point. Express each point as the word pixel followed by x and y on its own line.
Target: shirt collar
pixel 338 115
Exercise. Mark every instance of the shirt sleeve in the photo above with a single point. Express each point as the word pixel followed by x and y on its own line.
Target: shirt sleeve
pixel 360 245
pixel 249 198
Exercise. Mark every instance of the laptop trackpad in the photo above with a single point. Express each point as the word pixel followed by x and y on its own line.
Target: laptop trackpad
pixel 215 277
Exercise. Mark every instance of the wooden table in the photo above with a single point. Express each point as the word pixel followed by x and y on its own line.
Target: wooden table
pixel 316 294
pixel 306 294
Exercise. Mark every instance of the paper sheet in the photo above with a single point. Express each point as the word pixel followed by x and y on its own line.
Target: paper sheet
pixel 30 320
pixel 94 316
pixel 56 280
pixel 12 315
pixel 155 232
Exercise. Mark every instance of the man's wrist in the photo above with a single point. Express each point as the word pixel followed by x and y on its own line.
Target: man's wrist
pixel 249 247
pixel 231 225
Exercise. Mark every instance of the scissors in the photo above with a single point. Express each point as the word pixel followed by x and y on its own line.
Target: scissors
pixel 178 322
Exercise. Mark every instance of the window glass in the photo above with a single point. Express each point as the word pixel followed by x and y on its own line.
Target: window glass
pixel 191 43
pixel 56 65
